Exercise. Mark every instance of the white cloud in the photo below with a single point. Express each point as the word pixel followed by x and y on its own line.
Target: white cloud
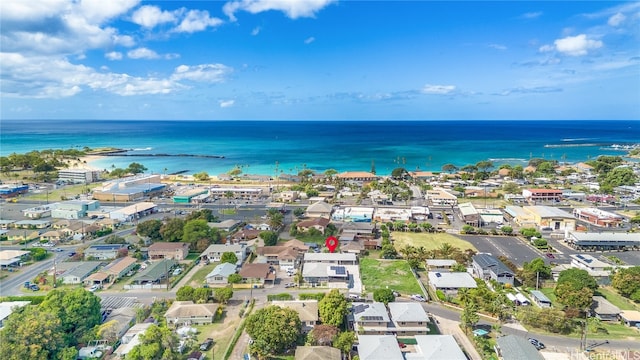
pixel 124 40
pixel 149 16
pixel 256 31
pixel 291 8
pixel 197 20
pixel 113 55
pixel 142 53
pixel 309 40
pixel 532 15
pixel 226 103
pixel 616 19
pixel 498 46
pixel 438 89
pixel 55 77
pixel 578 45
pixel 203 73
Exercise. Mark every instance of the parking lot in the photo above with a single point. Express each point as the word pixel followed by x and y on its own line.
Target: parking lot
pixel 509 246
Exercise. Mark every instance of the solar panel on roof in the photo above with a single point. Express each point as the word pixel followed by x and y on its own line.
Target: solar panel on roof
pixel 340 270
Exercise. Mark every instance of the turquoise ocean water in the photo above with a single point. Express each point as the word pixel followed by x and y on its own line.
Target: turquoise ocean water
pixel 319 145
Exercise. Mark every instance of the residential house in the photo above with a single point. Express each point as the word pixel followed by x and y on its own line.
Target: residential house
pixel 168 250
pixel 8 307
pixel 319 209
pixel 196 355
pixel 307 311
pixel 318 223
pixel 12 257
pixel 602 309
pixel 79 272
pixel 593 266
pixel 512 347
pixel 19 235
pixel 32 224
pixel 113 271
pixel 331 258
pixel 540 298
pixel 155 273
pixel 188 313
pixel 369 318
pixel 257 274
pixel 441 265
pixel 246 234
pixel 338 270
pixel 488 267
pixel 131 338
pixel 220 274
pixel 228 225
pixel 52 236
pixel 214 252
pixel 450 282
pixel 104 251
pixel 124 318
pixel 285 257
pixel 436 347
pixel 317 353
pixel 630 317
pixel 409 318
pixel 359 177
pixel 379 347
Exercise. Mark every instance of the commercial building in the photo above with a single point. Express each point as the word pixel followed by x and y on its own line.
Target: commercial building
pixel 440 197
pixel 133 212
pixel 599 218
pixel 129 189
pixel 12 190
pixel 74 209
pixel 603 241
pixel 542 196
pixel 79 176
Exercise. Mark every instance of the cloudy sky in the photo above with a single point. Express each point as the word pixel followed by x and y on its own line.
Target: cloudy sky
pixel 319 59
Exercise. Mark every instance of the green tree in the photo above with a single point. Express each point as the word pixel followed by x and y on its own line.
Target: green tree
pixel 383 295
pixel 157 342
pixel 234 279
pixel 333 308
pixel 389 252
pixel 273 329
pixel 172 230
pixel 202 295
pixel 449 168
pixel 78 309
pixel 185 293
pixel 617 177
pixel 568 295
pixel 136 168
pixel 228 257
pixel 344 341
pixel 627 282
pixel 578 278
pixel 399 173
pixel 150 229
pixel 32 333
pixel 298 212
pixel 534 270
pixel 195 230
pixel 469 316
pixel 223 294
pixel 270 238
pixel 201 176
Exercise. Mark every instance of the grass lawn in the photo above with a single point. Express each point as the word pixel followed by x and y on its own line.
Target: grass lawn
pixel 394 274
pixel 616 299
pixel 549 293
pixel 221 333
pixel 615 330
pixel 197 280
pixel 430 241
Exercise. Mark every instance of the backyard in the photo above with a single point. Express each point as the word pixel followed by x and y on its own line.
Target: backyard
pixel 430 241
pixel 394 274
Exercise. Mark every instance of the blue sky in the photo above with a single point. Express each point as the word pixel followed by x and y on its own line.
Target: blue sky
pixel 319 59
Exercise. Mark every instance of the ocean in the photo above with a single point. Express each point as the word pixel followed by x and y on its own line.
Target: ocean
pixel 267 147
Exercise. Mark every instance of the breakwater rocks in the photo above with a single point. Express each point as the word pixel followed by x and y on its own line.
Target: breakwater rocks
pixel 128 152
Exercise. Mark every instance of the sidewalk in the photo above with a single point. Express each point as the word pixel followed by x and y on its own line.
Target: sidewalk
pixel 449 327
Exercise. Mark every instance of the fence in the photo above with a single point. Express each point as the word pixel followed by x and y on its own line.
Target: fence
pixel 146 287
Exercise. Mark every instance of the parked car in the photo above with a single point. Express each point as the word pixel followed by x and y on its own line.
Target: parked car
pixel 418 297
pixel 206 344
pixel 34 287
pixel 94 287
pixel 177 271
pixel 536 343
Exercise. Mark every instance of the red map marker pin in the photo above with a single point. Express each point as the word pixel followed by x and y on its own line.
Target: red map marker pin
pixel 331 243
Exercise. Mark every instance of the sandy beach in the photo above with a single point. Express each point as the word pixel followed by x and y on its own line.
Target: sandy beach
pixel 86 162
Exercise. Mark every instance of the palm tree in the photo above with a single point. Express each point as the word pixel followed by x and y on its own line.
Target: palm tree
pixel 446 250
